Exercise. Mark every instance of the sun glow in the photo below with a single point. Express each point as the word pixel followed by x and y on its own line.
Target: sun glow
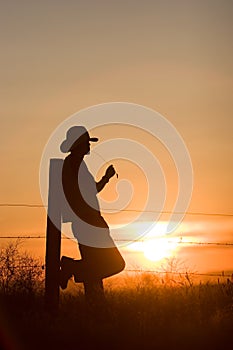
pixel 156 245
pixel 159 248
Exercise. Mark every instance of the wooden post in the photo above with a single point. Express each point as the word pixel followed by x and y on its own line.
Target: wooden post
pixel 53 236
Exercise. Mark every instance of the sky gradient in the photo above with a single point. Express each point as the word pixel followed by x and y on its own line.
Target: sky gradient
pixel 59 57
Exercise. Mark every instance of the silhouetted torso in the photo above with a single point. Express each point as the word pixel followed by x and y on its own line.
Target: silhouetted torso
pixel 79 186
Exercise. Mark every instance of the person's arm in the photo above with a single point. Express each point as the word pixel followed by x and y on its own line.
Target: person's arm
pixel 100 185
pixel 110 172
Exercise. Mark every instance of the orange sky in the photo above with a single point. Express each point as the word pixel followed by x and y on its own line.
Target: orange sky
pixel 58 57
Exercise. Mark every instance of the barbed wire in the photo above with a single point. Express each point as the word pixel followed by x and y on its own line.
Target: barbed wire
pixel 185 273
pixel 22 205
pixel 126 240
pixel 30 205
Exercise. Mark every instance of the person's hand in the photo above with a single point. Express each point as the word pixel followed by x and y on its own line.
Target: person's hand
pixel 110 172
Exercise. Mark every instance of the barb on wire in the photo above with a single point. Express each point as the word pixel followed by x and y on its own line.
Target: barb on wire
pixel 123 240
pixel 29 205
pixel 180 273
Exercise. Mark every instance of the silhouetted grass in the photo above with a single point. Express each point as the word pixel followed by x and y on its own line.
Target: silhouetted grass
pixel 141 313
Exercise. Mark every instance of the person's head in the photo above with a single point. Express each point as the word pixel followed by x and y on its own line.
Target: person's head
pixel 77 141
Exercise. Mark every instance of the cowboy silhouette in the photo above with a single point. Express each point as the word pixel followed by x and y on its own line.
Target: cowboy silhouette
pixel 100 258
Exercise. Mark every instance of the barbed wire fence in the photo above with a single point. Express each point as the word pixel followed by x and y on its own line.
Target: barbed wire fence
pixel 223 244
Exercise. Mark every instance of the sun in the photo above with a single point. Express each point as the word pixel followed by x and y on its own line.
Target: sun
pixel 159 248
pixel 156 245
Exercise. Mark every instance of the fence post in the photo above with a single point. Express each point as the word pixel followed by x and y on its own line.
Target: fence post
pixel 53 236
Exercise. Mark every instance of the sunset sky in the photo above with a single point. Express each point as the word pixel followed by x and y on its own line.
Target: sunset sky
pixel 175 57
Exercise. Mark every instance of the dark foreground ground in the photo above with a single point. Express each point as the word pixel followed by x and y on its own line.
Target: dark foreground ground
pixel 141 314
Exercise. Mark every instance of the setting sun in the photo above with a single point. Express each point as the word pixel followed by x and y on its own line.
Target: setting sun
pixel 159 248
pixel 156 245
pixel 155 249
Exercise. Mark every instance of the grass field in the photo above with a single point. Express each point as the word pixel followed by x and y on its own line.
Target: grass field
pixel 142 312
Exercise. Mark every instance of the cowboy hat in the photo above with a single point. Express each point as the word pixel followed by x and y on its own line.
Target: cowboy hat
pixel 74 137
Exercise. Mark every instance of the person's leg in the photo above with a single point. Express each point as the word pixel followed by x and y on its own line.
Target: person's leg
pixel 99 263
pixel 96 264
pixel 110 262
pixel 93 284
pixel 66 271
pixel 90 275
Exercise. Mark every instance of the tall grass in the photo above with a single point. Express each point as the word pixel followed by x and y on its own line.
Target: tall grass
pixel 19 271
pixel 143 312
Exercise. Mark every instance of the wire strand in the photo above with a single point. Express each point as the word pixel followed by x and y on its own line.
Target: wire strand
pixel 28 205
pixel 124 240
